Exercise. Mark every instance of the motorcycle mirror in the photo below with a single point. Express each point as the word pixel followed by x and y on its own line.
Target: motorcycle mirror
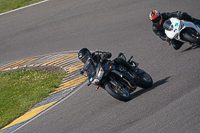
pixel 120 54
pixel 81 71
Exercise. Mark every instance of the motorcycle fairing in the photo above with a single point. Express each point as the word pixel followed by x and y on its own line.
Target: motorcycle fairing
pixel 178 26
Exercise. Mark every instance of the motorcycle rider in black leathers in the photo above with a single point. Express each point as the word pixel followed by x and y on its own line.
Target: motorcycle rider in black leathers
pixel 98 56
pixel 159 18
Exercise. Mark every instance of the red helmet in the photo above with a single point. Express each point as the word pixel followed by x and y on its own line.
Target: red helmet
pixel 155 17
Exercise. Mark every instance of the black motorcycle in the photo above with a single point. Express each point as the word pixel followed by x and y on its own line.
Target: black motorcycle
pixel 115 78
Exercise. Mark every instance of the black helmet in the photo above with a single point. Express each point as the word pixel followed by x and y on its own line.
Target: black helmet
pixel 83 54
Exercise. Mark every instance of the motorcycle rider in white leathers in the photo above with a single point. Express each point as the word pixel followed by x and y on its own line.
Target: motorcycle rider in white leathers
pixel 159 18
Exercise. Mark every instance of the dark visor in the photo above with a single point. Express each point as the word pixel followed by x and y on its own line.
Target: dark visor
pixel 168 25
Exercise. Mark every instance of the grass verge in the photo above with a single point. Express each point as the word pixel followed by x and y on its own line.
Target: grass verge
pixel 21 90
pixel 7 5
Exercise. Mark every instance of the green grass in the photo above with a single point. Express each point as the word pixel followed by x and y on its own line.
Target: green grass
pixel 21 90
pixel 7 5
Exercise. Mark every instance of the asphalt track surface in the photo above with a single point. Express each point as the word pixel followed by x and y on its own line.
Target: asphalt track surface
pixel 170 106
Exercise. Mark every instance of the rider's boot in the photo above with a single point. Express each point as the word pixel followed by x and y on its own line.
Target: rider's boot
pixel 133 69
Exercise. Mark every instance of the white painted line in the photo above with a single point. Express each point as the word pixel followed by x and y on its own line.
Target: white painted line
pixel 52 106
pixel 23 7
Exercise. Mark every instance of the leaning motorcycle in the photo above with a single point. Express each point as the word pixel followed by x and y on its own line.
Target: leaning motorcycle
pixel 181 30
pixel 115 78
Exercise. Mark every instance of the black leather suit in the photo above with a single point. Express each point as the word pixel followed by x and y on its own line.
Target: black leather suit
pixel 99 56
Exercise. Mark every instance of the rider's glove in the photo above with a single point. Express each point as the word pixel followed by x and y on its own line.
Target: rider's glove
pixel 105 55
pixel 102 57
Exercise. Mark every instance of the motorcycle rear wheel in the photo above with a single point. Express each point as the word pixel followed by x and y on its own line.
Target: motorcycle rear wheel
pixel 191 36
pixel 145 81
pixel 119 93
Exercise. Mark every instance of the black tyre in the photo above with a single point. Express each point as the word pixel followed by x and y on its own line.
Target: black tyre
pixel 145 81
pixel 191 36
pixel 119 93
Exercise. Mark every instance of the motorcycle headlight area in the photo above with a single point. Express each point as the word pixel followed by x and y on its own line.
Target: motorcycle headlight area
pixel 168 25
pixel 95 81
pixel 99 76
pixel 100 73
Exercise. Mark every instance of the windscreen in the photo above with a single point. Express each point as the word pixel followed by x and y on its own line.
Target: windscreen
pixel 89 68
pixel 168 25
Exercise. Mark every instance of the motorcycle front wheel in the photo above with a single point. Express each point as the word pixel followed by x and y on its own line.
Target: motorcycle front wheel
pixel 118 92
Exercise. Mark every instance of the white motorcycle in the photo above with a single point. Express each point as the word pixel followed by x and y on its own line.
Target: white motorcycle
pixel 181 30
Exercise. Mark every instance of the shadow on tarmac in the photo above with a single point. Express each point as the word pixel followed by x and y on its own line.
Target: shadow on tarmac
pixel 155 85
pixel 191 48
